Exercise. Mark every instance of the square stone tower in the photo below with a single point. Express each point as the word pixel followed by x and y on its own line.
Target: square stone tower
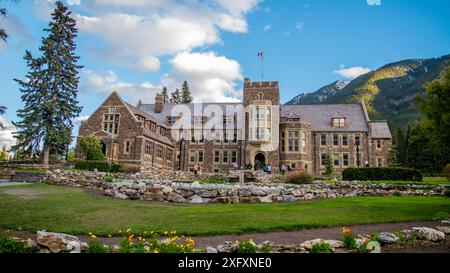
pixel 262 121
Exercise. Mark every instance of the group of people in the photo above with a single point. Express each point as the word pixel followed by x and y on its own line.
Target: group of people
pixel 198 169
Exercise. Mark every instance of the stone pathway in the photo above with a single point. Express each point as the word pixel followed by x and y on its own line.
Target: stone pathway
pixel 5 183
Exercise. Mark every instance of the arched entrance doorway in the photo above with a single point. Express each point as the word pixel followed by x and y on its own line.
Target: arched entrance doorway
pixel 103 148
pixel 260 161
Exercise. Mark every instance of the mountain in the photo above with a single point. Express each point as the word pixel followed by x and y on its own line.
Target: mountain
pixel 320 95
pixel 388 91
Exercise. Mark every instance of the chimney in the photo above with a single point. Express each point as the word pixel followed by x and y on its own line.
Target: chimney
pixel 159 103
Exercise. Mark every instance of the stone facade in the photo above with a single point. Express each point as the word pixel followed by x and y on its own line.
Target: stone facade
pixel 259 131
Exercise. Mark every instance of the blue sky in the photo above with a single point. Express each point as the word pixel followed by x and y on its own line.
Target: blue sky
pixel 136 46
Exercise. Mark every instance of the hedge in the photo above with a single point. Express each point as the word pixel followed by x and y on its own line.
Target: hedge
pixel 380 174
pixel 101 166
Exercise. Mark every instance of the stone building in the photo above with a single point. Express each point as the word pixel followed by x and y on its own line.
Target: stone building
pixel 224 136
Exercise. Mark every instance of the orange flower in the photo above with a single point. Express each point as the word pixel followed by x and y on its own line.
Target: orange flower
pixel 346 230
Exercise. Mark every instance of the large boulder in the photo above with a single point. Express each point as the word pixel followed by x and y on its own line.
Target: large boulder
pixel 388 238
pixel 56 242
pixel 446 229
pixel 176 198
pixel 429 234
pixel 196 199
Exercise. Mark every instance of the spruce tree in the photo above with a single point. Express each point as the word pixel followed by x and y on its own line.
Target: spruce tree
pixel 186 96
pixel 3 34
pixel 175 97
pixel 329 168
pixel 400 143
pixel 50 90
pixel 165 95
pixel 393 156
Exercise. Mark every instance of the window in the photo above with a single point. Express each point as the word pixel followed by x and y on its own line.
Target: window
pixel 303 142
pixel 268 134
pixel 269 113
pixel 216 157
pixel 235 136
pixel 198 122
pixel 335 140
pixel 378 144
pixel 294 141
pixel 338 122
pixel 169 155
pixel 148 148
pixel 192 136
pixel 217 136
pixel 233 156
pixel 127 147
pixel 323 140
pixel 111 123
pixel 357 140
pixel 200 156
pixel 379 162
pixel 171 120
pixel 345 160
pixel 344 140
pixel 323 159
pixel 202 137
pixel 225 157
pixel 191 156
pixel 336 160
pixel 159 151
pixel 260 96
pixel 225 137
pixel 283 145
pixel 260 133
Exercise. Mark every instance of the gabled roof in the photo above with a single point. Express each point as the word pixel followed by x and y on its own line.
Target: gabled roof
pixel 320 116
pixel 380 129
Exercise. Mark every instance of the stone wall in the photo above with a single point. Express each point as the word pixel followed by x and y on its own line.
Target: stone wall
pixel 160 189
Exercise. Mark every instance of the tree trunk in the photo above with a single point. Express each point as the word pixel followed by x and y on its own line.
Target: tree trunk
pixel 46 155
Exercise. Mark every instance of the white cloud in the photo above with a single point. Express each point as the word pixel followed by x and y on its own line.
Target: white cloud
pixel 108 82
pixel 352 72
pixel 80 119
pixel 147 64
pixel 238 6
pixel 267 27
pixel 300 25
pixel 210 77
pixel 6 135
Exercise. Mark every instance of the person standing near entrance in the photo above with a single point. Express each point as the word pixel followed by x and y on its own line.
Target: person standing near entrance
pixel 269 169
pixel 283 169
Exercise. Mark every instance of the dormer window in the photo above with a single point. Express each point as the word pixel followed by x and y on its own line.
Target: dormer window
pixel 338 122
pixel 171 120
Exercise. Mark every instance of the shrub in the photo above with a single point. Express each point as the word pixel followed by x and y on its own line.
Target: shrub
pixel 447 193
pixel 446 171
pixel 375 236
pixel 108 178
pixel 349 241
pixel 397 193
pixel 8 245
pixel 246 247
pixel 91 147
pixel 322 247
pixel 380 174
pixel 97 247
pixel 299 178
pixel 214 179
pixel 101 166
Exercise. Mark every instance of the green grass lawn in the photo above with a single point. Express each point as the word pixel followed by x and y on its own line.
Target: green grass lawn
pixel 426 181
pixel 61 209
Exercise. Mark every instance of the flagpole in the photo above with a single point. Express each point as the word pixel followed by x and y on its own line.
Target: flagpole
pixel 262 69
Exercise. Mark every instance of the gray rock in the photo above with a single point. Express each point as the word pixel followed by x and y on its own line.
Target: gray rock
pixel 388 238
pixel 445 230
pixel 429 234
pixel 288 198
pixel 176 198
pixel 75 247
pixel 55 242
pixel 195 199
pixel 209 249
pixel 119 195
pixel 206 193
pixel 257 192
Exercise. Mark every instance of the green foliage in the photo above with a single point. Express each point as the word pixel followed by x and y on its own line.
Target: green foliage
pixel 96 246
pixel 2 112
pixel 447 193
pixel 108 178
pixel 375 236
pixel 329 168
pixel 322 247
pixel 298 178
pixel 397 193
pixel 8 245
pixel 91 147
pixel 435 106
pixel 349 241
pixel 170 245
pixel 186 96
pixel 393 156
pixel 175 97
pixel 247 247
pixel 380 174
pixel 3 154
pixel 101 166
pixel 70 155
pixel 50 90
pixel 439 216
pixel 165 94
pixel 213 179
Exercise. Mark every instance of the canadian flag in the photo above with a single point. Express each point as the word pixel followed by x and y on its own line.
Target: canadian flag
pixel 261 54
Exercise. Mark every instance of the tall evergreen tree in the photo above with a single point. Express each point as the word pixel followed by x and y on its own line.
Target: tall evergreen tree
pixel 165 95
pixel 186 96
pixel 3 34
pixel 400 144
pixel 435 106
pixel 175 97
pixel 419 153
pixel 393 156
pixel 50 90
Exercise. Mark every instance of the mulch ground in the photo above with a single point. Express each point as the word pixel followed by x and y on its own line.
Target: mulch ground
pixel 297 237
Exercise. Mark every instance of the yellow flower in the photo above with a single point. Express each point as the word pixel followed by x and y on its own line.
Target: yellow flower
pixel 140 238
pixel 90 233
pixel 346 230
pixel 109 235
pixel 20 228
pixel 93 236
pixel 120 231
pixel 166 232
pixel 128 230
pixel 155 251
